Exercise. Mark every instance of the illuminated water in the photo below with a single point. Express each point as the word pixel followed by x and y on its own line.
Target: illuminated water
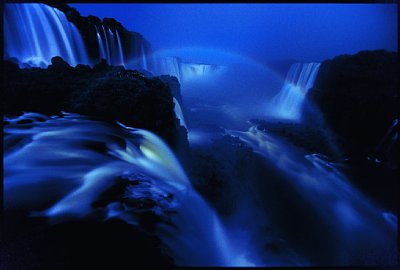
pixel 110 46
pixel 288 103
pixel 351 230
pixel 179 113
pixel 58 166
pixel 42 33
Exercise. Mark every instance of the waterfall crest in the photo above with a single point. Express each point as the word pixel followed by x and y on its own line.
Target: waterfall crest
pixel 288 103
pixel 185 71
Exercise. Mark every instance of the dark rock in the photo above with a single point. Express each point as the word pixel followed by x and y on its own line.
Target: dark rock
pixel 104 92
pixel 58 65
pixel 81 243
pixel 312 138
pixel 174 86
pixel 358 95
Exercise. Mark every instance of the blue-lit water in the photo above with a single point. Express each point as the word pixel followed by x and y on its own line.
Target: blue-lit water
pixel 42 33
pixel 110 46
pixel 56 167
pixel 67 162
pixel 288 103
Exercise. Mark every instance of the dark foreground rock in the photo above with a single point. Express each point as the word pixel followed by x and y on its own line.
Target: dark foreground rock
pixel 359 98
pixel 99 242
pixel 104 92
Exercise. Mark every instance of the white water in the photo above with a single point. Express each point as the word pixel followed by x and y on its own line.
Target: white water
pixel 119 46
pixel 179 113
pixel 187 72
pixel 77 173
pixel 105 40
pixel 288 103
pixel 103 54
pixel 110 46
pixel 42 33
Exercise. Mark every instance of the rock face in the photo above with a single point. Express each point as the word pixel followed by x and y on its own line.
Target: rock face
pixel 104 92
pixel 359 98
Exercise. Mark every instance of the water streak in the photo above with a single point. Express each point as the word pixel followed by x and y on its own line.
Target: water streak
pixel 179 113
pixel 288 103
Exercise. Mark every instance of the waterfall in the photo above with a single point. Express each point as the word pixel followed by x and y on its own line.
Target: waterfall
pixel 119 45
pixel 179 113
pixel 105 40
pixel 288 103
pixel 144 59
pixel 186 72
pixel 170 66
pixel 81 158
pixel 34 33
pixel 110 46
pixel 113 47
pixel 102 50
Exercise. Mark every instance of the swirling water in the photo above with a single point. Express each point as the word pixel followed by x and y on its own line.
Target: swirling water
pixel 58 166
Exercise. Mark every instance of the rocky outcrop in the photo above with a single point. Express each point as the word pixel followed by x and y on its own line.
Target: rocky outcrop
pixel 358 96
pixel 104 92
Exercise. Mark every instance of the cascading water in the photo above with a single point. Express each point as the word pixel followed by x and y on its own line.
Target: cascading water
pixel 42 33
pixel 186 72
pixel 169 65
pixel 105 41
pixel 119 46
pixel 179 113
pixel 144 59
pixel 103 54
pixel 81 158
pixel 347 227
pixel 110 46
pixel 288 103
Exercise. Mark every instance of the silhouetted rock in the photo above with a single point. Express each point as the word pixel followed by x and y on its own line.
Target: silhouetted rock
pixel 174 85
pixel 105 92
pixel 97 241
pixel 359 98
